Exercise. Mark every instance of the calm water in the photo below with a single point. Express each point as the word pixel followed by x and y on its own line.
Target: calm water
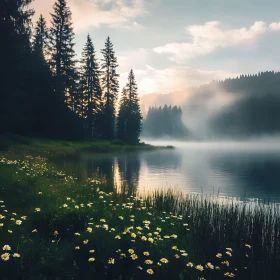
pixel 243 170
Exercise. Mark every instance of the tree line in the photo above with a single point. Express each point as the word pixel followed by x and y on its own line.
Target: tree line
pixel 47 92
pixel 165 121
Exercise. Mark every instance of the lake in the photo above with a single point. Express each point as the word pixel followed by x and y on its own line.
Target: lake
pixel 247 171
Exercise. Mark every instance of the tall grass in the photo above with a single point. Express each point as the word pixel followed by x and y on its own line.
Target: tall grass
pixel 218 223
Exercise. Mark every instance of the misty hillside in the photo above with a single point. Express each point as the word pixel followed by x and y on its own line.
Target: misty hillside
pixel 241 107
pixel 165 122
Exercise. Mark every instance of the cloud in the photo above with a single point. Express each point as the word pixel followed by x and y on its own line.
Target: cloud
pixel 275 26
pixel 134 26
pixel 95 13
pixel 211 36
pixel 173 79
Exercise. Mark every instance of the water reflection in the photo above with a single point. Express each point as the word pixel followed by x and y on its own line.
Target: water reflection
pixel 236 171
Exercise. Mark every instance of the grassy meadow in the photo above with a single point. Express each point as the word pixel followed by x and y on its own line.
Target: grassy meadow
pixel 54 226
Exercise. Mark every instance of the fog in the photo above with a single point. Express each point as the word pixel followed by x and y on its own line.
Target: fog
pixel 262 143
pixel 238 109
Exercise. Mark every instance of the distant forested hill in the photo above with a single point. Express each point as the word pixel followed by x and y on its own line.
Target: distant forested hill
pixel 246 106
pixel 165 122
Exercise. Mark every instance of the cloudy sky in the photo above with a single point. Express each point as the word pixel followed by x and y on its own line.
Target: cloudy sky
pixel 176 44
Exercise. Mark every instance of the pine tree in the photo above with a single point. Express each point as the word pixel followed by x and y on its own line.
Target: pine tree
pixel 129 117
pixel 122 116
pixel 110 87
pixel 41 38
pixel 90 88
pixel 62 53
pixel 15 51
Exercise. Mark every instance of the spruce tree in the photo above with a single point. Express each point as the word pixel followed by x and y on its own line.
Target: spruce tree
pixel 122 116
pixel 130 117
pixel 110 87
pixel 41 38
pixel 62 53
pixel 15 51
pixel 90 88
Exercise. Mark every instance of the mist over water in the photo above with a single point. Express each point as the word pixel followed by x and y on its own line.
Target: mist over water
pixel 244 170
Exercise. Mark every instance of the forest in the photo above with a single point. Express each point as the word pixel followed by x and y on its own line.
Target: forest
pixel 253 109
pixel 165 122
pixel 47 92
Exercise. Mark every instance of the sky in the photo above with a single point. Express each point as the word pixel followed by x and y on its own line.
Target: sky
pixel 175 44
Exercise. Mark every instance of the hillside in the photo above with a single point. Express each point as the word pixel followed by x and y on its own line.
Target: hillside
pixel 226 108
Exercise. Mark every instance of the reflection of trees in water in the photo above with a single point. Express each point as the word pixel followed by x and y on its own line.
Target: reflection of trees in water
pixel 119 172
pixel 253 171
pixel 128 173
pixel 170 159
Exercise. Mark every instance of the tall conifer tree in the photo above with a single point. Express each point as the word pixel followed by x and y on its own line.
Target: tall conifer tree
pixel 41 38
pixel 15 51
pixel 62 52
pixel 130 117
pixel 91 90
pixel 110 87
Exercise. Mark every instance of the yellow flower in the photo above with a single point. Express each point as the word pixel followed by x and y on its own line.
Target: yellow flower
pixel 65 205
pixel 134 256
pixel 150 271
pixel 146 253
pixel 143 238
pixel 117 237
pixel 184 254
pixel 91 259
pixel 77 234
pixel 89 229
pixel 148 262
pixel 139 267
pixel 209 265
pixel 34 230
pixel 229 249
pixel 2 217
pixel 131 251
pixel 91 251
pixel 37 209
pixel 247 245
pixel 77 248
pixel 24 217
pixel 164 260
pixel 174 248
pixel 16 255
pixel 229 274
pixel 55 232
pixel 151 240
pixel 174 236
pixel 121 217
pixel 190 264
pixel 85 241
pixel 102 220
pixel 111 261
pixel 229 253
pixel 133 235
pixel 158 229
pixel 226 262
pixel 1 225
pixel 219 255
pixel 177 256
pixel 199 267
pixel 6 248
pixel 5 257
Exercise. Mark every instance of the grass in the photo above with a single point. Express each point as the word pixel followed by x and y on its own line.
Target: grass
pixel 49 147
pixel 63 228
